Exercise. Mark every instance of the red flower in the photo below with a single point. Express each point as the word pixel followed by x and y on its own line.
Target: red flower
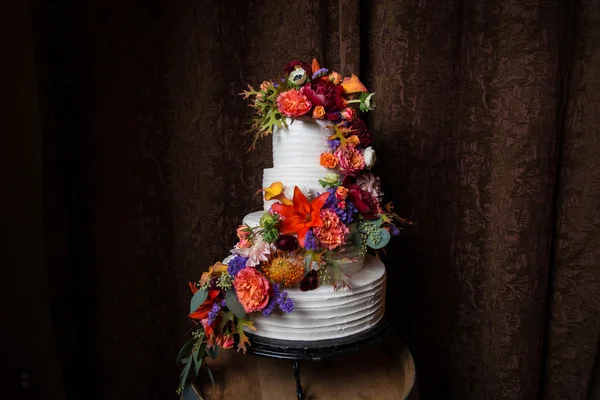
pixel 301 215
pixel 324 93
pixel 360 129
pixel 204 309
pixel 289 67
pixel 364 201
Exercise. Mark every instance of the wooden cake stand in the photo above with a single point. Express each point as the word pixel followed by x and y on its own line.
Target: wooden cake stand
pixel 384 372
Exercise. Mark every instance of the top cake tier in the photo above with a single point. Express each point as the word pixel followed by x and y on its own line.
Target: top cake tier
pixel 300 144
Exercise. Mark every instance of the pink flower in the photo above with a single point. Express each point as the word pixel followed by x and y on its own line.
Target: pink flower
pixel 293 103
pixel 225 340
pixel 348 114
pixel 333 232
pixel 342 205
pixel 371 184
pixel 350 160
pixel 243 233
pixel 324 93
pixel 257 253
pixel 252 289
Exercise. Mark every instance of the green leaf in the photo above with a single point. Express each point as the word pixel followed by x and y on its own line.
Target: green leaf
pixel 356 239
pixel 197 365
pixel 185 350
pixel 377 222
pixel 234 304
pixel 185 372
pixel 210 375
pixel 198 299
pixel 382 242
pixel 212 352
pixel 243 339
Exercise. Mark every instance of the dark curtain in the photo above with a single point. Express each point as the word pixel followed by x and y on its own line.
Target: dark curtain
pixel 487 130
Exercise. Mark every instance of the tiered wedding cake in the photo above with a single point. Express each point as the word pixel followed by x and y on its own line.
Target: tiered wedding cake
pixel 323 313
pixel 300 269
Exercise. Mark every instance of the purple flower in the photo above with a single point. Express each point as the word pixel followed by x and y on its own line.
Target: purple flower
pixel 236 264
pixel 279 298
pixel 213 313
pixel 310 241
pixel 394 230
pixel 333 144
pixel 320 73
pixel 347 214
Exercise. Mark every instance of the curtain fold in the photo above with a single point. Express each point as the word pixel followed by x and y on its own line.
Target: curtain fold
pixel 497 288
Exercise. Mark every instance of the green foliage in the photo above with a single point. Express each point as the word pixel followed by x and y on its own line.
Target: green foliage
pixel 225 281
pixel 234 304
pixel 197 299
pixel 270 224
pixel 369 233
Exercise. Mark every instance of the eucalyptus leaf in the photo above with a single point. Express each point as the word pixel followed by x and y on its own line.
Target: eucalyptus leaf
pixel 210 375
pixel 186 371
pixel 185 350
pixel 356 240
pixel 385 238
pixel 234 304
pixel 197 366
pixel 198 299
pixel 212 352
pixel 377 222
pixel 363 225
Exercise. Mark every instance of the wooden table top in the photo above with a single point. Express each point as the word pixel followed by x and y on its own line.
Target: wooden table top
pixel 376 374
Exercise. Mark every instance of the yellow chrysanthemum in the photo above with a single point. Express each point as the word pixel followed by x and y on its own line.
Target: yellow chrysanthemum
pixel 284 271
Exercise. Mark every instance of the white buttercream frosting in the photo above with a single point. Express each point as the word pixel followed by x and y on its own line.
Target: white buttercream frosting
pixel 326 313
pixel 297 152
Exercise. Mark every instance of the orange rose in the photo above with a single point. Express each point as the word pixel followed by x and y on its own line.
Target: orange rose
pixel 335 78
pixel 354 140
pixel 341 193
pixel 319 112
pixel 252 289
pixel 293 103
pixel 328 160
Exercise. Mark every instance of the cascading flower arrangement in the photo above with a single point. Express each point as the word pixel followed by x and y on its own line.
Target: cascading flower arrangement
pixel 293 244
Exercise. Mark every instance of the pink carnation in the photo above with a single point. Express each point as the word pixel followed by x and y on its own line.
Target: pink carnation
pixel 293 103
pixel 350 160
pixel 333 232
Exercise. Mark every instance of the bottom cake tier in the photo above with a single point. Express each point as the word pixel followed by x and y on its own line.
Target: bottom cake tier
pixel 326 313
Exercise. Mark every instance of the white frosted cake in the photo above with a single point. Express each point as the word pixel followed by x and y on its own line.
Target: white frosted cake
pixel 326 312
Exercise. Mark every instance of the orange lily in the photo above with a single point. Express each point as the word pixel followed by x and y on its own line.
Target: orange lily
pixel 275 192
pixel 301 215
pixel 353 85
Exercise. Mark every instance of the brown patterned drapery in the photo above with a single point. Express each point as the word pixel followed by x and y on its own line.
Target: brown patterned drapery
pixel 487 130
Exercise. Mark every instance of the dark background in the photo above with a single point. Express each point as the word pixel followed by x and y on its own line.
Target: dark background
pixel 123 135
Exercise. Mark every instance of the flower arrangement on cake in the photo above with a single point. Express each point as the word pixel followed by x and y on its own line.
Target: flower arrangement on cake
pixel 306 237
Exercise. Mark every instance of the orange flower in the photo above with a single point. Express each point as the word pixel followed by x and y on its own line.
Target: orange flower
pixel 243 234
pixel 354 140
pixel 204 309
pixel 315 66
pixel 293 103
pixel 275 192
pixel 252 289
pixel 214 270
pixel 335 78
pixel 318 112
pixel 353 85
pixel 328 160
pixel 341 193
pixel 301 215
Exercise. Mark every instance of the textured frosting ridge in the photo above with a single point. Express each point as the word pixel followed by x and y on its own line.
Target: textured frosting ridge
pixel 326 313
pixel 296 156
